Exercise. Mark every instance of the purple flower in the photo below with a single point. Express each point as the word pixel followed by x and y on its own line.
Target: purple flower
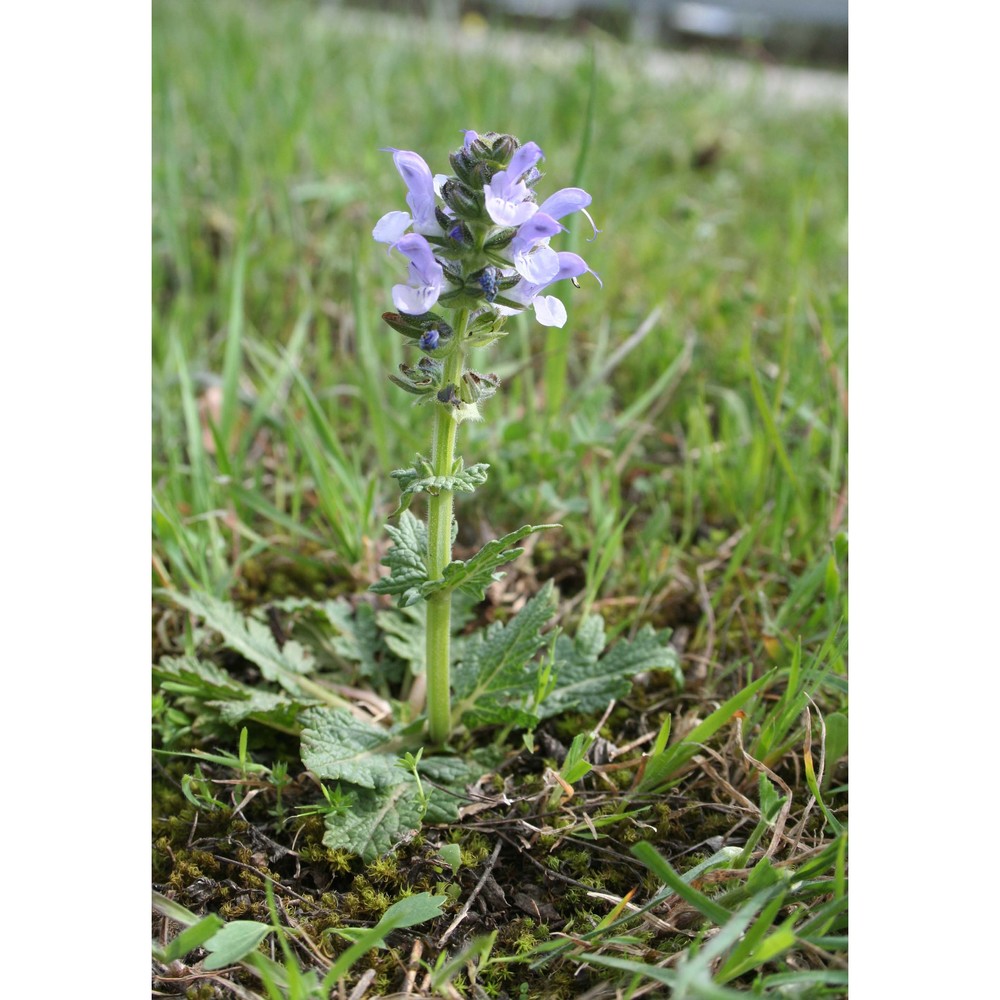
pixel 420 183
pixel 486 242
pixel 549 311
pixel 426 276
pixel 509 201
pixel 531 254
pixel 565 202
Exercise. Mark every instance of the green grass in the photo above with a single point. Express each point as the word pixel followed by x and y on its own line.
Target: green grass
pixel 687 426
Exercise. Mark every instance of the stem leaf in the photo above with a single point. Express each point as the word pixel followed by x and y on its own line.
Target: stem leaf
pixel 415 480
pixel 473 576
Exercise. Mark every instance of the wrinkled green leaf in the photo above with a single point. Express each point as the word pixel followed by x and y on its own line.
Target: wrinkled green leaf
pixel 404 632
pixel 419 480
pixel 446 778
pixel 377 818
pixel 339 746
pixel 406 559
pixel 407 562
pixel 496 672
pixel 251 639
pixel 265 706
pixel 352 634
pixel 358 639
pixel 190 675
pixel 488 713
pixel 476 574
pixel 233 701
pixel 587 682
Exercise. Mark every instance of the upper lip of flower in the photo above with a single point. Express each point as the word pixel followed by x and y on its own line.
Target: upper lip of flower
pixel 509 201
pixel 422 188
pixel 530 252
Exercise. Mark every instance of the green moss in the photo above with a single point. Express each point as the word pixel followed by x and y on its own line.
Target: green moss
pixel 237 909
pixel 475 849
pixel 570 861
pixel 365 898
pixel 385 871
pixel 334 858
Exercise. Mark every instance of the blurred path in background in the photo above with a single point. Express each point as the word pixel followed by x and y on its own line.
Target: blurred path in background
pixel 792 86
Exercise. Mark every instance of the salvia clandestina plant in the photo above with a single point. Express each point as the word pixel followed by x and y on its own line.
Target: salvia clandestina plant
pixel 477 243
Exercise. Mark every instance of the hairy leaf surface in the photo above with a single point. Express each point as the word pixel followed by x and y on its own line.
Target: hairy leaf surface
pixel 377 819
pixel 406 559
pixel 251 639
pixel 338 746
pixel 407 562
pixel 496 674
pixel 586 681
pixel 419 480
pixel 476 574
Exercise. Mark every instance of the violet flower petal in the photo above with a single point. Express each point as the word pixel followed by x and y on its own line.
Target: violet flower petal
pixel 538 265
pixel 391 227
pixel 420 184
pixel 425 273
pixel 524 158
pixel 539 227
pixel 549 311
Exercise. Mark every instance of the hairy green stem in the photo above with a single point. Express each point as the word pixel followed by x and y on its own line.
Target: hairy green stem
pixel 439 520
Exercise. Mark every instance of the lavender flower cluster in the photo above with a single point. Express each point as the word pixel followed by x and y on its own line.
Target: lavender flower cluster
pixel 478 240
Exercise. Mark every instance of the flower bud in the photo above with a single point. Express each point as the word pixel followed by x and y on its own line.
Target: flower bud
pixel 480 148
pixel 477 388
pixel 503 148
pixel 462 163
pixel 408 326
pixel 460 233
pixel 482 174
pixel 416 326
pixel 501 238
pixel 505 284
pixel 422 380
pixel 452 271
pixel 444 220
pixel 461 199
pixel 449 395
